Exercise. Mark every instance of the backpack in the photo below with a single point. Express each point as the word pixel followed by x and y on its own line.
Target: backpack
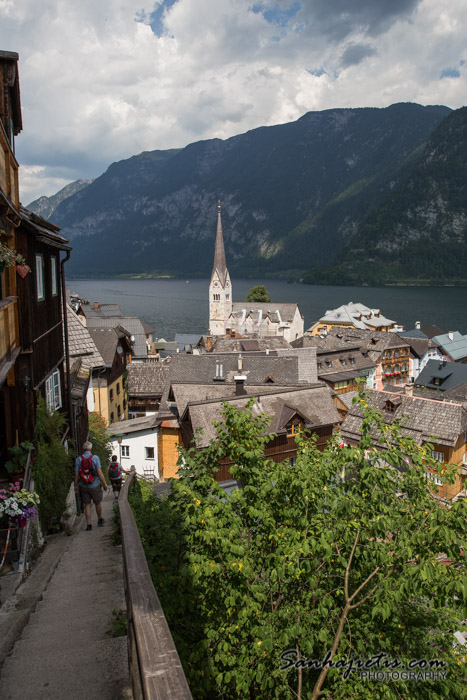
pixel 114 470
pixel 86 470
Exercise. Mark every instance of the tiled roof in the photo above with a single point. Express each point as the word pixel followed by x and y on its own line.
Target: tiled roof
pixel 184 339
pixel 103 310
pixel 431 331
pixel 106 340
pixel 373 342
pixel 257 368
pixel 81 343
pixel 314 403
pixel 351 361
pixel 243 345
pixel 146 378
pixel 131 426
pixel 132 325
pixel 422 419
pixel 359 315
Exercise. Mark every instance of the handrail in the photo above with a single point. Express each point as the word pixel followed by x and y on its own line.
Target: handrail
pixel 155 668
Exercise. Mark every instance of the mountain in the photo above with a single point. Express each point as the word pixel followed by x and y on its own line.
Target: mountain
pixel 45 206
pixel 418 235
pixel 291 195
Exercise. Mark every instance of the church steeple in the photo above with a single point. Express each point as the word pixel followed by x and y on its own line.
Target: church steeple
pixel 220 289
pixel 219 252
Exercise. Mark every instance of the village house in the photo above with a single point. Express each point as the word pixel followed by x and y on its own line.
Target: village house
pixel 136 443
pixel 443 380
pixel 389 352
pixel 109 384
pixel 352 315
pixel 422 351
pixel 110 316
pixel 292 411
pixel 453 346
pixel 246 318
pixel 442 424
pixel 146 382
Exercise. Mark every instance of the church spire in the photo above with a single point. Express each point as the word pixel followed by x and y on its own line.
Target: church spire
pixel 219 253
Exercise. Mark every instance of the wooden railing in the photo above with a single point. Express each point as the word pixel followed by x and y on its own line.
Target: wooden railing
pixel 155 668
pixel 8 340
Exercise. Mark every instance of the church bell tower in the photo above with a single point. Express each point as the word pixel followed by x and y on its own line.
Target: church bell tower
pixel 220 287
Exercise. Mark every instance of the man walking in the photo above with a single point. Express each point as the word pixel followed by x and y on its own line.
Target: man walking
pixel 88 480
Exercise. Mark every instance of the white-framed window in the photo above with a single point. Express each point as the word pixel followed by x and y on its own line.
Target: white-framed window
pixel 53 394
pixel 434 478
pixel 53 275
pixel 439 456
pixel 40 292
pixel 125 450
pixel 149 451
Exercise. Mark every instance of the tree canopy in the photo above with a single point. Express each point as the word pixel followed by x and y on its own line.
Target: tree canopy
pixel 258 293
pixel 334 557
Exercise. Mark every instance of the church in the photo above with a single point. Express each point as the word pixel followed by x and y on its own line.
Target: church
pixel 246 319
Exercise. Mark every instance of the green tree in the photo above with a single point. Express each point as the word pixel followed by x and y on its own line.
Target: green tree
pixel 336 554
pixel 258 293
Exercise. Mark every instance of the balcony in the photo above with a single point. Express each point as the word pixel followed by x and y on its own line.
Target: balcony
pixel 9 346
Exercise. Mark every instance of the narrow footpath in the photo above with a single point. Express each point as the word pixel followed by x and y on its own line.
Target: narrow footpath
pixel 66 650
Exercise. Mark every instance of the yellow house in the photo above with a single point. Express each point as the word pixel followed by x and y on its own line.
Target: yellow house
pixel 169 442
pixel 109 384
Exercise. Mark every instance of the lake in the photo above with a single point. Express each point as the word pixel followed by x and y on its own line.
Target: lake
pixel 172 306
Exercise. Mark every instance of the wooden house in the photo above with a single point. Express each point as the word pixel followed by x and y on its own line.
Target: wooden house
pixel 442 424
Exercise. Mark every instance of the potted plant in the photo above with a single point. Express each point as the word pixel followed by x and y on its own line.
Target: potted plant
pixel 18 458
pixel 9 257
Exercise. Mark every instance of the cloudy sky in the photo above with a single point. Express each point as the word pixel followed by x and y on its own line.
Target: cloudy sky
pixel 102 80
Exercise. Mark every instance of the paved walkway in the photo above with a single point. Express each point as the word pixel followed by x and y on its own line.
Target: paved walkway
pixel 64 651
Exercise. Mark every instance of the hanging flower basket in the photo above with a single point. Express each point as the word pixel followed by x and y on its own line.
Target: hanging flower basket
pixel 23 270
pixel 9 257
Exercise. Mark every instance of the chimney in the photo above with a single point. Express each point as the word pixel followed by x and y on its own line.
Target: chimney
pixel 417 325
pixel 409 389
pixel 240 380
pixel 96 305
pixel 240 363
pixel 267 351
pixel 451 335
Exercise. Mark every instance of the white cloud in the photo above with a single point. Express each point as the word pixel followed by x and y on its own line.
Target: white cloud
pixel 98 84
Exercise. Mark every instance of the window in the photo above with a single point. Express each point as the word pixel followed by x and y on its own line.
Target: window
pixel 111 394
pixel 53 396
pixel 53 275
pixel 125 450
pixel 227 296
pixel 434 478
pixel 340 385
pixel 118 410
pixel 439 456
pixel 343 361
pixel 329 363
pixel 40 294
pixel 216 297
pixel 320 365
pixel 118 388
pixel 149 452
pixel 292 461
pixel 112 417
pixel 294 428
pixel 352 360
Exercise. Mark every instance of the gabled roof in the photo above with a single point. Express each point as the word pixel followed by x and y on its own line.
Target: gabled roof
pixel 314 403
pixel 81 343
pixel 442 376
pixel 106 340
pixel 103 311
pixel 186 339
pixel 130 325
pixel 146 378
pixel 43 230
pixel 431 331
pixel 358 315
pixel 424 420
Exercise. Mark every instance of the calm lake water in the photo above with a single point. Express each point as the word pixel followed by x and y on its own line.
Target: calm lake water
pixel 181 306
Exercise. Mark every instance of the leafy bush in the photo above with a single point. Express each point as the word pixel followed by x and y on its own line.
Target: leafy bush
pixel 53 466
